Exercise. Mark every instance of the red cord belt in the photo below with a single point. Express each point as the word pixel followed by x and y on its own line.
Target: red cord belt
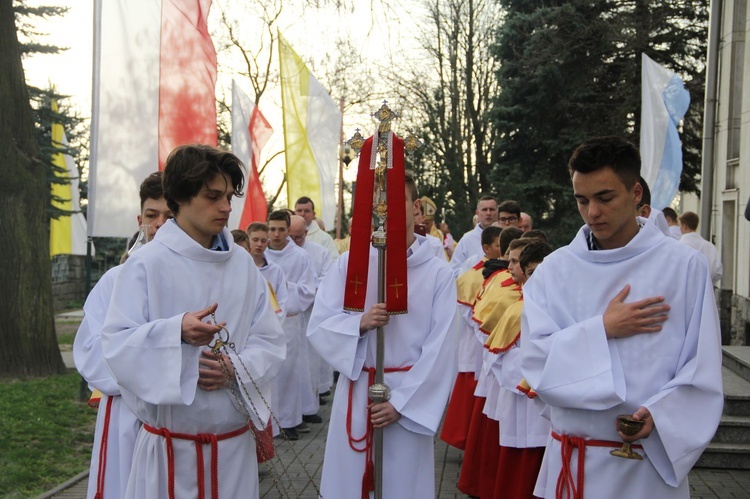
pixel 200 440
pixel 565 482
pixel 368 482
pixel 102 469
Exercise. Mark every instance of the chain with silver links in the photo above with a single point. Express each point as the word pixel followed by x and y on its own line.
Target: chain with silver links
pixel 224 343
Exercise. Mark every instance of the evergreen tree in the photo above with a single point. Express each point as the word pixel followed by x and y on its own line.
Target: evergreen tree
pixel 570 70
pixel 28 327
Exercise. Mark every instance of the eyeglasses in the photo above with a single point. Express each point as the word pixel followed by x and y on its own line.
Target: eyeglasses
pixel 507 220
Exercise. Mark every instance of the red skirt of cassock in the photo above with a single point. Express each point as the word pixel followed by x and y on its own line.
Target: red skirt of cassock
pixel 517 471
pixel 458 415
pixel 468 480
pixel 490 456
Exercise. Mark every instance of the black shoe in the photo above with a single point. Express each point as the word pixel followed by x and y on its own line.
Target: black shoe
pixel 302 428
pixel 313 418
pixel 326 393
pixel 290 433
pixel 322 401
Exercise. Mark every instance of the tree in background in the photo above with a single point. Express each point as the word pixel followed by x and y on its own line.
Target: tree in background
pixel 28 327
pixel 449 97
pixel 570 70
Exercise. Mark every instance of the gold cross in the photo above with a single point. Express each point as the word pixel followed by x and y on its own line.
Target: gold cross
pixel 396 285
pixel 356 283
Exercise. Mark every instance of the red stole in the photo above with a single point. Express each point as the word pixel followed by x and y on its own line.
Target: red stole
pixel 362 216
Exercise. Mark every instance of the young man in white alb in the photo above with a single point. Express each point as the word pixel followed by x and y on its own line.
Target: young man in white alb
pixel 197 406
pixel 622 321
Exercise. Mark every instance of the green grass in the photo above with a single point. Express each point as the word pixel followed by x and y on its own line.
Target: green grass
pixel 66 338
pixel 46 434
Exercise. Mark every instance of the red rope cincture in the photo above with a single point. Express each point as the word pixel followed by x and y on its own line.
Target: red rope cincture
pixel 368 482
pixel 200 440
pixel 103 451
pixel 566 484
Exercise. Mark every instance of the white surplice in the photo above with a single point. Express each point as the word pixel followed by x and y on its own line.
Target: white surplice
pixel 424 340
pixel 122 424
pixel 293 392
pixel 470 244
pixel 315 235
pixel 588 380
pixel 158 373
pixel 321 373
pixel 708 250
pixel 521 423
pixel 437 247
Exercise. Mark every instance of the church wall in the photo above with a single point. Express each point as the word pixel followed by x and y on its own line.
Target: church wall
pixel 728 227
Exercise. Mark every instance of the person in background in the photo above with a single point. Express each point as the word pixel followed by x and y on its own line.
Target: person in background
pixel 527 223
pixel 674 226
pixel 112 452
pixel 471 242
pixel 689 226
pixel 508 214
pixel 292 388
pixel 305 208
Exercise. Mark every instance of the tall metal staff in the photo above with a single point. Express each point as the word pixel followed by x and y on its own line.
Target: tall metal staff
pixel 380 392
pixel 380 153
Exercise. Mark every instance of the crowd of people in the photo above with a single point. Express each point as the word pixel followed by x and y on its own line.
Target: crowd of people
pixel 207 343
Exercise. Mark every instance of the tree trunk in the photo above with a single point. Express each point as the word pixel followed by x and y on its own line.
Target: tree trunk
pixel 27 330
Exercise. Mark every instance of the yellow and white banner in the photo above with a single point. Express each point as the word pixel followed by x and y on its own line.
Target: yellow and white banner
pixel 312 125
pixel 67 234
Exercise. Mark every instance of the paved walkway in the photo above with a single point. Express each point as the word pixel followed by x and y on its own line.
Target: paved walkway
pixel 285 476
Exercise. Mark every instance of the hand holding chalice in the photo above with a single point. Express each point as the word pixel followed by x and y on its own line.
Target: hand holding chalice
pixel 628 426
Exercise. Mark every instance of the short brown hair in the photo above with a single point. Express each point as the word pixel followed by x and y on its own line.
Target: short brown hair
pixel 486 197
pixel 280 215
pixel 151 188
pixel 520 242
pixel 510 206
pixel 690 220
pixel 240 236
pixel 508 235
pixel 535 251
pixel 256 227
pixel 305 200
pixel 608 151
pixel 669 213
pixel 536 234
pixel 190 167
pixel 491 234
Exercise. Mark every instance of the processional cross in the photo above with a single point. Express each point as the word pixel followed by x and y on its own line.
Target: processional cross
pixel 380 182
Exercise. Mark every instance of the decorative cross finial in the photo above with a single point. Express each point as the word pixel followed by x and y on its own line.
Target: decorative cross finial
pixel 411 142
pixel 385 116
pixel 356 142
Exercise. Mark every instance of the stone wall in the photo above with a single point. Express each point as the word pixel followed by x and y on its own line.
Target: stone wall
pixel 68 281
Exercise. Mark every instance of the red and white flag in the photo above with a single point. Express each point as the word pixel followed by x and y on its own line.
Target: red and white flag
pixel 154 89
pixel 250 132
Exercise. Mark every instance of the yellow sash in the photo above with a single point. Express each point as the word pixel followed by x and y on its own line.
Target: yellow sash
pixel 469 283
pixel 497 293
pixel 507 331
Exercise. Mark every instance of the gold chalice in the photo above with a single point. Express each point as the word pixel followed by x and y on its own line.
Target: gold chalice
pixel 629 426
